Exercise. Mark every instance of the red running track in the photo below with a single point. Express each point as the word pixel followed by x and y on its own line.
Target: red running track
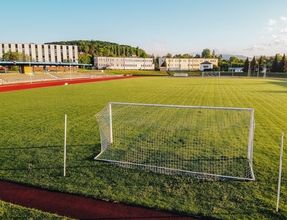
pixel 75 206
pixel 21 86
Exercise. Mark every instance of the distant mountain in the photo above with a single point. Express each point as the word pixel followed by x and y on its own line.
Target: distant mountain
pixel 227 56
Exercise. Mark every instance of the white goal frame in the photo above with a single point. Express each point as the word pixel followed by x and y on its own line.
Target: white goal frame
pixel 173 170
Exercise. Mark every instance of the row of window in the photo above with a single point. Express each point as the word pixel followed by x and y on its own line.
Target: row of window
pixel 191 65
pixel 42 55
pixel 192 61
pixel 124 65
pixel 41 45
pixel 37 51
pixel 124 60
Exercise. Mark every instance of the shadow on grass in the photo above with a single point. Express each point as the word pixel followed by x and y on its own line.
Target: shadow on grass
pixel 274 91
pixel 279 82
pixel 266 210
pixel 46 168
pixel 49 146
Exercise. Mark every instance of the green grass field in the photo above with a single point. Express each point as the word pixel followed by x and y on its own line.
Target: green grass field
pixel 10 211
pixel 32 139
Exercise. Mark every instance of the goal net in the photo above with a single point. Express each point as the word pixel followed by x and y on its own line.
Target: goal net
pixel 206 142
pixel 210 74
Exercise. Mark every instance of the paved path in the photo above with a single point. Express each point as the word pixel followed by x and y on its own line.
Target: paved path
pixel 75 206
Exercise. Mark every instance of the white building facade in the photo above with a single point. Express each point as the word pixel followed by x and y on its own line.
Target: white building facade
pixel 185 64
pixel 236 69
pixel 43 52
pixel 206 66
pixel 124 63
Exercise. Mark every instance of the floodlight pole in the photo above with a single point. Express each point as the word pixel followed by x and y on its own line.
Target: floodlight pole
pixel 111 123
pixel 264 72
pixel 65 145
pixel 249 68
pixel 280 172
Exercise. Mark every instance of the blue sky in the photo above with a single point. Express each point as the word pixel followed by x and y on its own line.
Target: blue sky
pixel 248 27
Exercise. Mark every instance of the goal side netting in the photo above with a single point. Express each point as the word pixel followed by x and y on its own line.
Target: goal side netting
pixel 207 142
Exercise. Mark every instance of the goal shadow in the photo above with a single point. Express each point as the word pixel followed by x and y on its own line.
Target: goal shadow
pixel 223 167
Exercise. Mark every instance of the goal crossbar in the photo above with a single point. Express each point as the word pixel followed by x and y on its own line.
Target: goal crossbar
pixel 183 106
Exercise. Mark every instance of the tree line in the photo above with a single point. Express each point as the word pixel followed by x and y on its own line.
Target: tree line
pixel 278 63
pixel 91 48
pixel 206 53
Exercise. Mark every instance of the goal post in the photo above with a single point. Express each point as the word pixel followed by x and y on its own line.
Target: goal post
pixel 201 141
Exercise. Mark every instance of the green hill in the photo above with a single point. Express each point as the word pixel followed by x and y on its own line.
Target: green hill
pixel 90 48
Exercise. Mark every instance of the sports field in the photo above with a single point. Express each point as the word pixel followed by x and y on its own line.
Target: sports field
pixel 32 139
pixel 10 211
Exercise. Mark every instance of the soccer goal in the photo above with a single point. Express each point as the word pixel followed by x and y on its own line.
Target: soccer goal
pixel 210 74
pixel 206 142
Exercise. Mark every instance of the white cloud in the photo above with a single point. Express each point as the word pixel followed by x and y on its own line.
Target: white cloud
pixel 274 40
pixel 269 29
pixel 274 36
pixel 283 30
pixel 272 22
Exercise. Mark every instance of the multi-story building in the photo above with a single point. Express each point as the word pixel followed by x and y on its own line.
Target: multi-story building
pixel 128 63
pixel 186 64
pixel 49 53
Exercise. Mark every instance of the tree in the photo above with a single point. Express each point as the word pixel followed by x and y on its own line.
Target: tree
pixel 234 60
pixel 15 56
pixel 137 51
pixel 185 55
pixel 169 55
pixel 206 53
pixel 283 64
pixel 85 58
pixel 143 55
pixel 275 64
pixel 253 65
pixel 103 48
pixel 246 65
pixel 213 54
pixel 223 64
pixel 260 64
pixel 83 46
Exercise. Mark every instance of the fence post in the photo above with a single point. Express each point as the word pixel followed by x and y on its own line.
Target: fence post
pixel 65 145
pixel 280 172
pixel 111 123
